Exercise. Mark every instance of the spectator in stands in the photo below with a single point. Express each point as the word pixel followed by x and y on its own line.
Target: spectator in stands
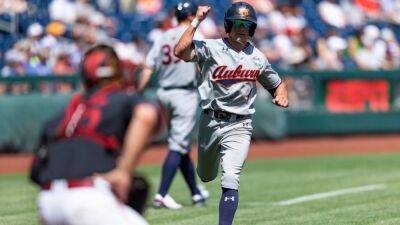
pixel 62 10
pixel 295 21
pixel 332 14
pixel 372 54
pixel 55 43
pixel 148 7
pixel 63 67
pixel 282 34
pixel 329 52
pixel 355 16
pixel 392 56
pixel 277 19
pixel 15 6
pixel 262 6
pixel 14 68
pixel 50 43
pixel 70 11
pixel 287 19
pixel 85 19
pixel 32 41
pixel 391 10
pixel 287 47
pixel 84 9
pixel 110 6
pixel 132 55
pixel 302 51
pixel 371 8
pixel 133 52
pixel 14 64
pixel 127 6
pixel 354 43
pixel 109 27
pixel 38 64
pixel 19 61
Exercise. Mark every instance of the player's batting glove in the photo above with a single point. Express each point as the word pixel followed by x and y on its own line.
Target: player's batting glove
pixel 280 101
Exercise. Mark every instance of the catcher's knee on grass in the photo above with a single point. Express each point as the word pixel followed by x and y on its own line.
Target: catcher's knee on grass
pixel 230 180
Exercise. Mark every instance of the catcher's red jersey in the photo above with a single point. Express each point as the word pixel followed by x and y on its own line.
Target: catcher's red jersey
pixel 86 138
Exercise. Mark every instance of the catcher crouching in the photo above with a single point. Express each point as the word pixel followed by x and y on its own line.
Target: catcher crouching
pixel 86 154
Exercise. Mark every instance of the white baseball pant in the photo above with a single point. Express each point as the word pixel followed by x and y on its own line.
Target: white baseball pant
pixel 226 143
pixel 96 205
pixel 182 105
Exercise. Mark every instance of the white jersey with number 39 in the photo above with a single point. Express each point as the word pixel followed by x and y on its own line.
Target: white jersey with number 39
pixel 171 71
pixel 229 77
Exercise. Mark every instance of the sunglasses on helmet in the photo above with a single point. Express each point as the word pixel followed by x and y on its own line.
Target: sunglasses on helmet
pixel 241 23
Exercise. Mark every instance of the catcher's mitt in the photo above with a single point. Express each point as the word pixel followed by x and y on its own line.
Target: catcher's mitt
pixel 138 194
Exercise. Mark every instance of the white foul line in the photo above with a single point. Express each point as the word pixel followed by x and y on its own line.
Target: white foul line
pixel 306 198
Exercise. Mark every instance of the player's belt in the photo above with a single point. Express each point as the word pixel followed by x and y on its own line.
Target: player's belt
pixel 223 115
pixel 72 183
pixel 190 86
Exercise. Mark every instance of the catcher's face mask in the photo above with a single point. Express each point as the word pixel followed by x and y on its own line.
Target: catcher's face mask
pixel 99 63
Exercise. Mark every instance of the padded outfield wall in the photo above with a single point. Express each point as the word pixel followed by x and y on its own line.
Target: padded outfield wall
pixel 343 102
pixel 321 103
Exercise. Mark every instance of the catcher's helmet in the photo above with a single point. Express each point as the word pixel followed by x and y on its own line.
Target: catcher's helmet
pixel 241 11
pixel 99 62
pixel 184 9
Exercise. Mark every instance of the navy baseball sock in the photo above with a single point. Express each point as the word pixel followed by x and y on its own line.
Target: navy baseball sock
pixel 228 205
pixel 170 166
pixel 187 169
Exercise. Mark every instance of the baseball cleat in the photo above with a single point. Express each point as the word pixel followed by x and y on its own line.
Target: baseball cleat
pixel 203 191
pixel 165 202
pixel 198 200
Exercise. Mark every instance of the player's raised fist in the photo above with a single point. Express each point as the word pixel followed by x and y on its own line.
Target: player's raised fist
pixel 281 101
pixel 202 12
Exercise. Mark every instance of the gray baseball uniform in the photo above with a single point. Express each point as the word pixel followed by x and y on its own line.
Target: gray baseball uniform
pixel 227 92
pixel 177 88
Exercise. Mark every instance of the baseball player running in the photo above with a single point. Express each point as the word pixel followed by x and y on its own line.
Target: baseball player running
pixel 88 152
pixel 178 94
pixel 229 69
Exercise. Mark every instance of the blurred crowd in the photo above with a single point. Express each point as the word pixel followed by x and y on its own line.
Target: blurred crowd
pixel 341 35
pixel 293 34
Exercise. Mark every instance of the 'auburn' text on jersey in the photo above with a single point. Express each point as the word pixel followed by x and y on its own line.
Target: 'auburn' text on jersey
pixel 228 76
pixel 223 73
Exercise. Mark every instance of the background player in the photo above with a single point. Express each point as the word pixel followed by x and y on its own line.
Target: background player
pixel 178 93
pixel 101 131
pixel 229 69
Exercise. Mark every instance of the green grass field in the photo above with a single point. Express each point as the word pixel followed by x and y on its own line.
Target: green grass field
pixel 263 184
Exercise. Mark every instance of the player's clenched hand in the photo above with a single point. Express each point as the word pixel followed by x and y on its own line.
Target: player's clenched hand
pixel 120 181
pixel 202 12
pixel 281 101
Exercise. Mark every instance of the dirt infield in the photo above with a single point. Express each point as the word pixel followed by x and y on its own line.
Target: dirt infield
pixel 294 147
